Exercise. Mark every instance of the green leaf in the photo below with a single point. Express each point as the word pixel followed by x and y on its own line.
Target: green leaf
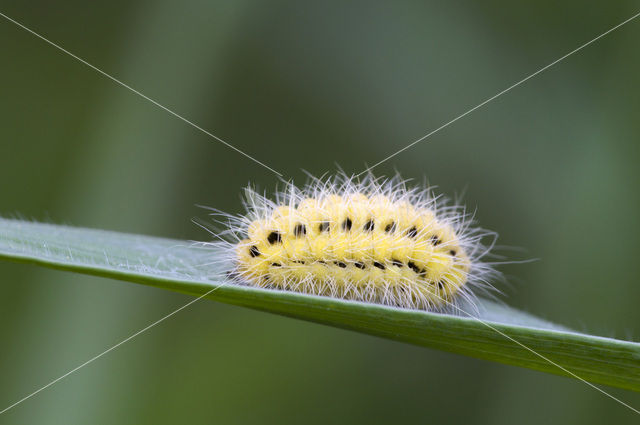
pixel 191 268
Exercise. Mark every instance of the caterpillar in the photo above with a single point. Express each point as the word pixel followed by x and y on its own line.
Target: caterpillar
pixel 374 240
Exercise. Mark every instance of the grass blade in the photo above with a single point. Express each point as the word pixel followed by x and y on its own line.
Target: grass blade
pixel 182 266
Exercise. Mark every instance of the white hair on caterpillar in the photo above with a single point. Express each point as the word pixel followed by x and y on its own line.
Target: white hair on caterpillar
pixel 374 240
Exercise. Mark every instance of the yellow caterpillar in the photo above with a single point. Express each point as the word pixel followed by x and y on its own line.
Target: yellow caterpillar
pixel 372 241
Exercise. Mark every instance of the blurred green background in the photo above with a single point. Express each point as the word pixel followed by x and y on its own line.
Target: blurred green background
pixel 552 166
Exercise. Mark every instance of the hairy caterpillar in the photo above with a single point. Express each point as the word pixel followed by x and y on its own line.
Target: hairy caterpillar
pixel 372 240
